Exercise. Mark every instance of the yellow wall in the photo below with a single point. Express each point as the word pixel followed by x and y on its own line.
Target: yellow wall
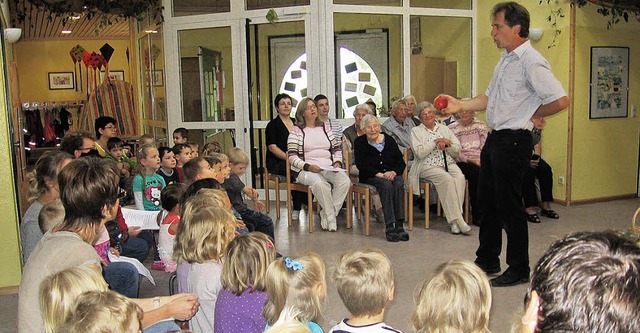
pixel 37 58
pixel 605 155
pixel 554 142
pixel 9 241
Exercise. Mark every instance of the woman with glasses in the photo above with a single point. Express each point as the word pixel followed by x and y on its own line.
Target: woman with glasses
pixel 315 155
pixel 381 164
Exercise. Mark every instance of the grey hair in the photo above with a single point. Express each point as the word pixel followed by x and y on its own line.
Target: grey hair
pixel 367 120
pixel 397 103
pixel 405 98
pixel 363 106
pixel 422 106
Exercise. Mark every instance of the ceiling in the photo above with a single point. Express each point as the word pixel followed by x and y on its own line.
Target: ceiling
pixel 40 24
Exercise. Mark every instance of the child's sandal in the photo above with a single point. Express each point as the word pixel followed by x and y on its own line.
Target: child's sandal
pixel 533 218
pixel 550 214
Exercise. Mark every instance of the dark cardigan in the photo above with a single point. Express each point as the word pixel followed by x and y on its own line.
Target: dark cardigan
pixel 370 161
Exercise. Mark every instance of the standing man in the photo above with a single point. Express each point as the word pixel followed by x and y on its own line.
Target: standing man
pixel 522 87
pixel 322 103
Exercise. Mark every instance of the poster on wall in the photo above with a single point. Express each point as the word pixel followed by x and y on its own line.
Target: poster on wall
pixel 609 82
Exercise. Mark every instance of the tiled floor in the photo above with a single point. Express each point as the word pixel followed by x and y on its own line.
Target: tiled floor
pixel 412 260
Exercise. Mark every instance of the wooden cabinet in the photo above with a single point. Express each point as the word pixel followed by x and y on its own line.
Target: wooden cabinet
pixel 432 76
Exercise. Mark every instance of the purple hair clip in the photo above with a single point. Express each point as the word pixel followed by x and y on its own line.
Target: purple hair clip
pixel 292 264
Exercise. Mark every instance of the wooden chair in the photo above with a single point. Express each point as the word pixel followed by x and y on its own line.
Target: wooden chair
pixel 358 189
pixel 277 179
pixel 298 187
pixel 425 185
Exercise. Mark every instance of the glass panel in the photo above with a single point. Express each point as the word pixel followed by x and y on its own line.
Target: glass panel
pixel 450 4
pixel 206 74
pixel 369 57
pixel 441 57
pixel 266 4
pixel 197 7
pixel 159 109
pixel 221 139
pixel 369 2
pixel 161 137
pixel 146 62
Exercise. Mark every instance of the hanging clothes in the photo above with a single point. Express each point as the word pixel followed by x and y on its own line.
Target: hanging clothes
pixel 34 126
pixel 49 132
pixel 61 122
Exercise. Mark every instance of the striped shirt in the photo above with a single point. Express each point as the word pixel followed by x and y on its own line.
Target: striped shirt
pixel 344 327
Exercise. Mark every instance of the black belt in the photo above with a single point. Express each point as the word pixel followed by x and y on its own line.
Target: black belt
pixel 511 132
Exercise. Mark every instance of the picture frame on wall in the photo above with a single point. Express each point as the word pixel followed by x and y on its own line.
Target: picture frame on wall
pixel 158 78
pixel 113 75
pixel 609 86
pixel 61 80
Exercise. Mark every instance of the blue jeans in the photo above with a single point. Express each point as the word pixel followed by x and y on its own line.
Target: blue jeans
pixel 162 327
pixel 122 277
pixel 136 247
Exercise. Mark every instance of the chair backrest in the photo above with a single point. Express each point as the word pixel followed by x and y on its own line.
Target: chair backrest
pixel 347 162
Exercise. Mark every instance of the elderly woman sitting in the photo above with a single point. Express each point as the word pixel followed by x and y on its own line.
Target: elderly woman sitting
pixel 381 164
pixel 315 153
pixel 348 138
pixel 435 148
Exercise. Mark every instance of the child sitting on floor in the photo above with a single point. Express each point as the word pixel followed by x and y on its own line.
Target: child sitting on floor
pixel 364 279
pixel 234 186
pixel 125 164
pixel 171 196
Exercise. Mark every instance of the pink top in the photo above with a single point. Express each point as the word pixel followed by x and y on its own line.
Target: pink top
pixel 316 147
pixel 472 138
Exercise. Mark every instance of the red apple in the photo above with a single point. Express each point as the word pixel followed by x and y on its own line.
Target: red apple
pixel 441 102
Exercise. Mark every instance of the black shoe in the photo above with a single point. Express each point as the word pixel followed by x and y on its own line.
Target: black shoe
pixel 487 268
pixel 391 234
pixel 509 278
pixel 402 235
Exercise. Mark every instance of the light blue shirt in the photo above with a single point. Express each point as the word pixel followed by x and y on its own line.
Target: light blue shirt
pixel 522 81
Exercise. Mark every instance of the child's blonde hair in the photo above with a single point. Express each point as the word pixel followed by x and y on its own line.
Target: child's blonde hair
pixel 203 233
pixel 246 262
pixel 51 215
pixel 220 157
pixel 457 298
pixel 364 279
pixel 297 283
pixel 237 156
pixel 104 312
pixel 59 291
pixel 142 154
pixel 287 323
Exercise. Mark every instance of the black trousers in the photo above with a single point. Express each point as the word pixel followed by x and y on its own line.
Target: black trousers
pixel 392 198
pixel 472 173
pixel 503 163
pixel 545 178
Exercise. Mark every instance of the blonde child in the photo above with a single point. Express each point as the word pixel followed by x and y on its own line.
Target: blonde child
pixel 195 149
pixel 182 153
pixel 59 291
pixel 240 302
pixel 287 323
pixel 171 196
pixel 168 166
pixel 296 283
pixel 203 235
pixel 147 139
pixel 104 312
pixel 234 186
pixel 147 184
pixel 220 163
pixel 456 299
pixel 364 279
pixel 147 187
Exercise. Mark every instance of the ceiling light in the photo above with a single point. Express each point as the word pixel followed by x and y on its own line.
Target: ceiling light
pixel 65 31
pixel 151 31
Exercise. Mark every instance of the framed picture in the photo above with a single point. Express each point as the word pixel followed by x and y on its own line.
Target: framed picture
pixel 609 95
pixel 158 78
pixel 61 80
pixel 113 75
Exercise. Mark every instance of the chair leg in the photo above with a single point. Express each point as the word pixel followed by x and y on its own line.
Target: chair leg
pixel 277 198
pixel 426 205
pixel 466 202
pixel 310 203
pixel 266 192
pixel 289 203
pixel 410 197
pixel 367 212
pixel 349 206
